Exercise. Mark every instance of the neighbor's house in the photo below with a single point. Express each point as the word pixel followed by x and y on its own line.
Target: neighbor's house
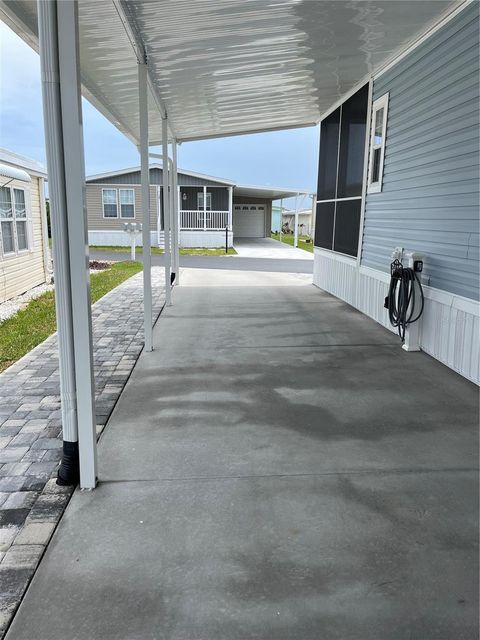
pixel 24 252
pixel 207 206
pixel 305 221
pixel 399 166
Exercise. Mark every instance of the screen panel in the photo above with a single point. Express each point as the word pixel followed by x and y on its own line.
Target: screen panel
pixel 352 145
pixel 327 164
pixel 347 226
pixel 324 225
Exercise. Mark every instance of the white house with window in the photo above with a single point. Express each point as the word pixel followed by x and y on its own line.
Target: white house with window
pixel 210 209
pixel 24 251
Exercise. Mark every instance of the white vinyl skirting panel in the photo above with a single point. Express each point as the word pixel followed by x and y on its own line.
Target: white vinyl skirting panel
pixel 118 238
pixel 208 239
pixel 450 329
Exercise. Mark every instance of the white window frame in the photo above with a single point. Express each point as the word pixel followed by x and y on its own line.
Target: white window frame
pixel 119 204
pixel 116 202
pixel 209 198
pixel 378 104
pixel 13 221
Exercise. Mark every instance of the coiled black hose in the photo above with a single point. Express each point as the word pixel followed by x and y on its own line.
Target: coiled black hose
pixel 401 300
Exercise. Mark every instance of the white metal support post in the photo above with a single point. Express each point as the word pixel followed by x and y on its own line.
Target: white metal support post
pixel 176 224
pixel 59 59
pixel 230 209
pixel 295 233
pixel 204 208
pixel 166 212
pixel 171 205
pixel 314 215
pixel 179 211
pixel 281 219
pixel 145 189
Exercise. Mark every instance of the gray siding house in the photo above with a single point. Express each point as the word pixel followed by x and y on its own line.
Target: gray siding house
pixel 399 167
pixel 207 207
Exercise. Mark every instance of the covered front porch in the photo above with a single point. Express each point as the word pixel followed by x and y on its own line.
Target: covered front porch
pixel 273 469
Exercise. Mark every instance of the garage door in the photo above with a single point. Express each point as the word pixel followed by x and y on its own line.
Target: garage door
pixel 248 220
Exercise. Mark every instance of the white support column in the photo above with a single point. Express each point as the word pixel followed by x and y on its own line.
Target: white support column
pixel 43 214
pixel 145 190
pixel 176 225
pixel 295 233
pixel 58 45
pixel 172 220
pixel 179 210
pixel 230 208
pixel 314 215
pixel 204 208
pixel 166 212
pixel 281 220
pixel 158 206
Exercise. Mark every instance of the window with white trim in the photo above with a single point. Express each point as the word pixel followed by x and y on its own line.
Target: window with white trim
pixel 109 200
pixel 14 220
pixel 200 201
pixel 126 199
pixel 377 143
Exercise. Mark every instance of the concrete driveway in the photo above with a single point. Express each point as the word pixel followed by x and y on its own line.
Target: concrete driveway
pixel 278 468
pixel 269 248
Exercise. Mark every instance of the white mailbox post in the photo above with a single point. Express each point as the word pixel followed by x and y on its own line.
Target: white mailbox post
pixel 133 230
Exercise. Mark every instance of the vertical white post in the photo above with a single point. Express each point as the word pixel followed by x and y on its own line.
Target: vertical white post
pixel 159 215
pixel 281 220
pixel 133 242
pixel 145 190
pixel 204 208
pixel 413 331
pixel 230 209
pixel 295 233
pixel 179 210
pixel 176 227
pixel 314 212
pixel 166 212
pixel 44 223
pixel 59 58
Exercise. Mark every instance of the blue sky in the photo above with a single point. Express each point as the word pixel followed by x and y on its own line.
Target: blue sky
pixel 285 159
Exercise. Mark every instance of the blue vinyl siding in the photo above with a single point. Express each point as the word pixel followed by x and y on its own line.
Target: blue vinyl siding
pixel 430 197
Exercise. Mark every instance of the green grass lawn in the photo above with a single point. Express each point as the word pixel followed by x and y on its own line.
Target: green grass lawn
pixel 32 325
pixel 302 241
pixel 191 251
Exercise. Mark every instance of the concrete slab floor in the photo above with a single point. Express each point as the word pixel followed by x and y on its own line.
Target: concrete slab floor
pixel 277 468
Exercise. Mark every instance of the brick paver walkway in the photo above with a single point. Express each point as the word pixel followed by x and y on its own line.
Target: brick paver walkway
pixel 31 504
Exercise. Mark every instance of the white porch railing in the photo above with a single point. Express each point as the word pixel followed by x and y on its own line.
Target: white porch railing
pixel 203 220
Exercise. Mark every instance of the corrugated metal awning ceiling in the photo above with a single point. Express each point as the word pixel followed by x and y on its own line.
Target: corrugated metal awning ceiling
pixel 227 67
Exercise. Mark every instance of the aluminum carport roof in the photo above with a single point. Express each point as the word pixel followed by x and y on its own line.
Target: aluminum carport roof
pixel 228 67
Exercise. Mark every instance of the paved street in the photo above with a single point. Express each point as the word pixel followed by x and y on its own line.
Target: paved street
pixel 278 468
pixel 228 263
